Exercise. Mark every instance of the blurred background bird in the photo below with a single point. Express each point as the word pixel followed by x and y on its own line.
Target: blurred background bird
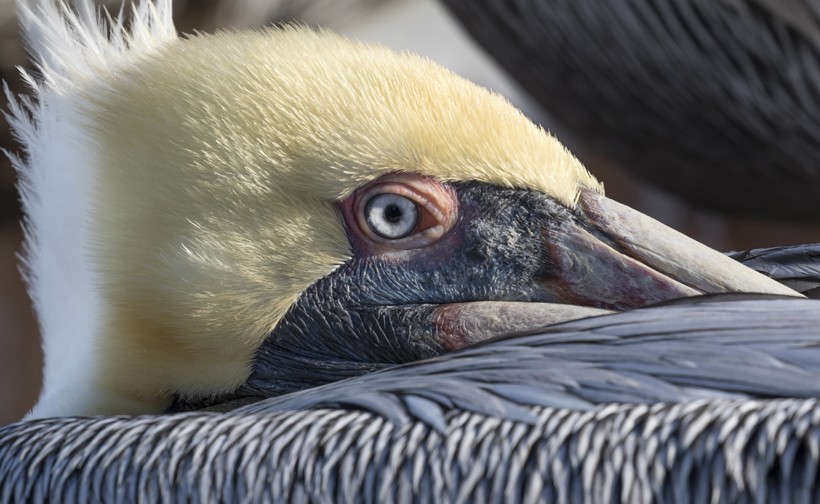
pixel 713 101
pixel 398 24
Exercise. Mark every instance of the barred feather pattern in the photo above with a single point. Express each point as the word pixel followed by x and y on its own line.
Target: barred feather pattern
pixel 724 451
pixel 676 403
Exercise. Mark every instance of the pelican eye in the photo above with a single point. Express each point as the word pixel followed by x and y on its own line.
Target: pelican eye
pixel 392 216
pixel 400 211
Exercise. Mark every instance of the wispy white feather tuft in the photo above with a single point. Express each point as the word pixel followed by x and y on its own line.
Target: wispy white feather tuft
pixel 74 51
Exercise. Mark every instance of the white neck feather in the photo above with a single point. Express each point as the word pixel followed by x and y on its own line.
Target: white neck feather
pixel 74 52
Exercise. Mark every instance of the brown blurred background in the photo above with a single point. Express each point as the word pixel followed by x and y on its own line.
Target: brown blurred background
pixel 418 25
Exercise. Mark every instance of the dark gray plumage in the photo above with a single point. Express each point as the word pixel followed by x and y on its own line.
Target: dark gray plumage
pixel 796 266
pixel 723 451
pixel 715 100
pixel 523 418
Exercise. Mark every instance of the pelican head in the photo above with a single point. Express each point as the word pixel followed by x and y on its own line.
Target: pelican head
pixel 194 203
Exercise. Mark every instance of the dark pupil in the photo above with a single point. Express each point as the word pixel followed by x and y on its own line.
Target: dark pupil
pixel 392 213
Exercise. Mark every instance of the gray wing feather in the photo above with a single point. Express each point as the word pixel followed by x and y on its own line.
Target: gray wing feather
pixel 530 417
pixel 749 348
pixel 796 266
pixel 802 15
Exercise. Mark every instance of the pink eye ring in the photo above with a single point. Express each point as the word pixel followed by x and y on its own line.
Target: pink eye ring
pixel 403 211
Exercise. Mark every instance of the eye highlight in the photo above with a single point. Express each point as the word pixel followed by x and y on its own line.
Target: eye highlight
pixel 401 211
pixel 391 216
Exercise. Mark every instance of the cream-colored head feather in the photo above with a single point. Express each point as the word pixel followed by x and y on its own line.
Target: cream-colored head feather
pixel 217 162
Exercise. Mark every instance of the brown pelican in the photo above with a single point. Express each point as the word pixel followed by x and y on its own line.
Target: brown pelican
pixel 715 101
pixel 190 200
pixel 223 217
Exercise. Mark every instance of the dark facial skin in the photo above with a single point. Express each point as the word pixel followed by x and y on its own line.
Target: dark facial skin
pixel 380 310
pixel 510 261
